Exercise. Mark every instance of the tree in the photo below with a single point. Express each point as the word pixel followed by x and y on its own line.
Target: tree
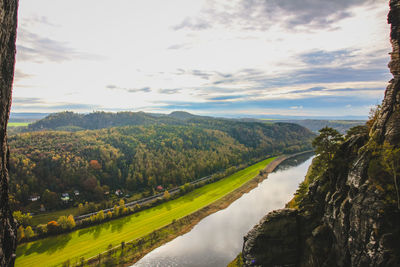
pixel 63 222
pixel 95 164
pixel 357 130
pixel 116 211
pixel 109 214
pixel 122 203
pixel 20 233
pixel 29 232
pixel 71 222
pixel 100 216
pixel 166 195
pixel 391 163
pixel 41 229
pixel 22 218
pixel 52 227
pixel 327 143
pixel 50 199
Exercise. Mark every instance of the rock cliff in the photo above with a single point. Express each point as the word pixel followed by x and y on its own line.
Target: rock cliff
pixel 348 217
pixel 8 27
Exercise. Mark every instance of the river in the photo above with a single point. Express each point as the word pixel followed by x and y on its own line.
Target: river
pixel 218 238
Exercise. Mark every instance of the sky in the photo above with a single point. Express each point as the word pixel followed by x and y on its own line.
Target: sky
pixel 237 58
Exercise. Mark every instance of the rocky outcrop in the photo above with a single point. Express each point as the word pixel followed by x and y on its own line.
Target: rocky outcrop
pixel 385 127
pixel 274 240
pixel 345 218
pixel 8 27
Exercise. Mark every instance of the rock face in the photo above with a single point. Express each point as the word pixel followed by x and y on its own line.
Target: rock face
pixel 344 219
pixel 8 27
pixel 385 127
pixel 274 240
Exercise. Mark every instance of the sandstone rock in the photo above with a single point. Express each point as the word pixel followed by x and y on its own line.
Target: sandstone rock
pixel 8 27
pixel 274 241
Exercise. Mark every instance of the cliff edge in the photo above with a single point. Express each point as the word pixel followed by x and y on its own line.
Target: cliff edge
pixel 349 215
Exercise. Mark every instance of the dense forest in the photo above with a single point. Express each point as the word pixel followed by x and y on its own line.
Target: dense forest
pixel 152 150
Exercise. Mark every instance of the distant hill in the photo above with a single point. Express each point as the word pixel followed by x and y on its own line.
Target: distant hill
pixel 71 121
pixel 314 125
pixel 26 117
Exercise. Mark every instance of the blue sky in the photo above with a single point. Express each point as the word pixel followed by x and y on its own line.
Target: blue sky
pixel 240 58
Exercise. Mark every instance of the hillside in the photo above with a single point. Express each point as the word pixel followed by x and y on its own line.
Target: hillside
pixel 137 158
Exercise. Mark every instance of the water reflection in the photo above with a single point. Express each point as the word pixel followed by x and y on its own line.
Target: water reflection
pixel 218 238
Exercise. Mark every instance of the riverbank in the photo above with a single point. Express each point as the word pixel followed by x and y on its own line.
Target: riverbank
pixel 136 250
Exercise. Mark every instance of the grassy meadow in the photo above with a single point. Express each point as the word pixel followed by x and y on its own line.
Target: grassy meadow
pixel 93 240
pixel 17 124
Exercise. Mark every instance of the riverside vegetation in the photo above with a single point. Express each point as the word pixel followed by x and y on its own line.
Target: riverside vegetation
pixel 134 230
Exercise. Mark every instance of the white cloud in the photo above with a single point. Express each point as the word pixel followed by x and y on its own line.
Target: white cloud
pixel 155 51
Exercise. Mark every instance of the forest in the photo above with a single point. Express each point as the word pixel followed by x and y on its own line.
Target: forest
pixel 91 156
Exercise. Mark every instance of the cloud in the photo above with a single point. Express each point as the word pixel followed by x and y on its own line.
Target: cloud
pixel 195 24
pixel 178 46
pixel 129 90
pixel 169 91
pixel 19 75
pixel 27 100
pixel 228 97
pixel 326 57
pixel 321 104
pixel 309 90
pixel 144 89
pixel 33 47
pixel 296 107
pixel 40 104
pixel 262 14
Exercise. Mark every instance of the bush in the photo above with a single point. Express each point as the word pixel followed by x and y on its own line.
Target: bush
pixel 29 232
pixel 41 229
pixel 52 227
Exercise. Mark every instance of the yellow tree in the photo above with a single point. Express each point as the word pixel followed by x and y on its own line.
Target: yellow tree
pixel 166 195
pixel 71 222
pixel 29 232
pixel 20 232
pixel 100 216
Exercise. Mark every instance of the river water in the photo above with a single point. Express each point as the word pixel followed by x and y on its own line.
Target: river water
pixel 217 239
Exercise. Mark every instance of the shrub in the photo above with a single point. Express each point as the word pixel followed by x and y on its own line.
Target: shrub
pixel 29 232
pixel 41 229
pixel 166 195
pixel 52 227
pixel 109 214
pixel 100 216
pixel 71 222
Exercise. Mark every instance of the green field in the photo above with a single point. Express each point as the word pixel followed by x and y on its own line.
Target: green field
pixel 91 241
pixel 16 124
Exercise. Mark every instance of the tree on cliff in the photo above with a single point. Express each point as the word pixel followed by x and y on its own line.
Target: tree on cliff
pixel 327 143
pixel 8 34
